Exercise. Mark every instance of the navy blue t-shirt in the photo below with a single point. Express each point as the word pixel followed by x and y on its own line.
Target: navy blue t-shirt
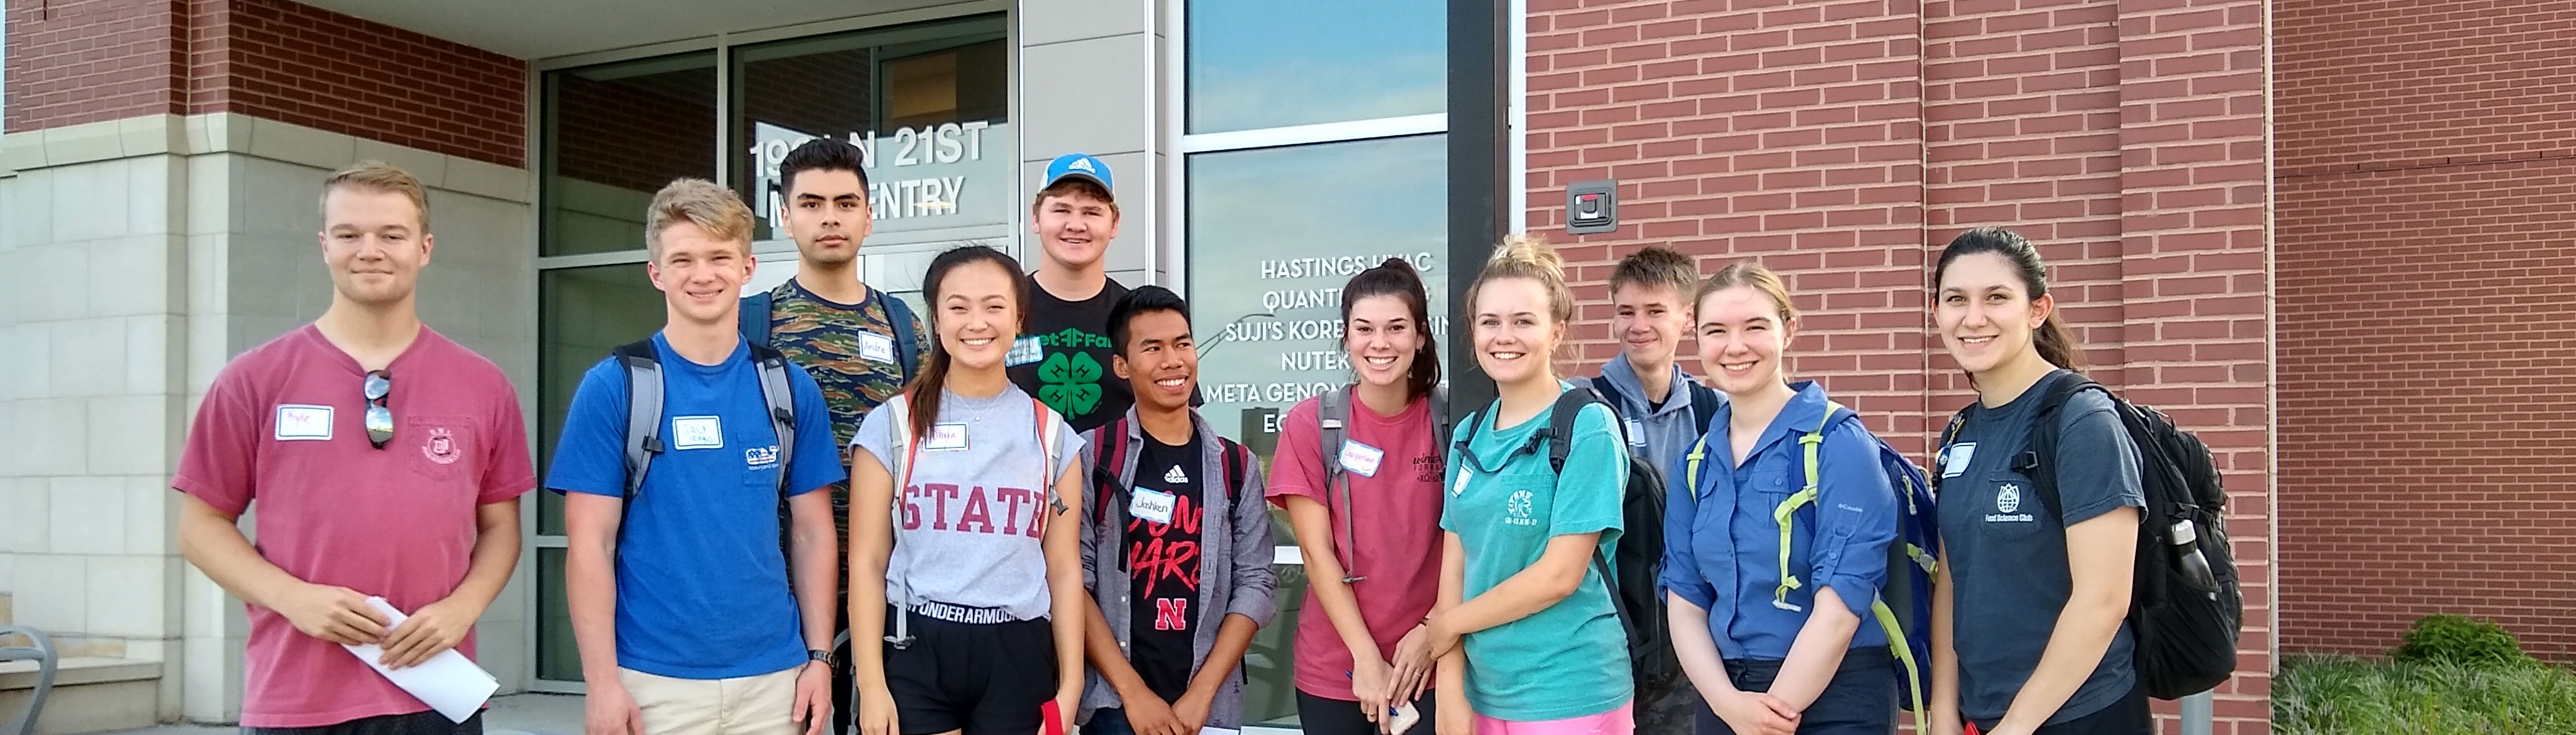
pixel 2008 551
pixel 702 589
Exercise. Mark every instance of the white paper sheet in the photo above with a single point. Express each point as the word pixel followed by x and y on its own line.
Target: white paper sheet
pixel 448 682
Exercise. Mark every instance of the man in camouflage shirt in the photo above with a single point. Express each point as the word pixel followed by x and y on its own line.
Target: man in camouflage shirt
pixel 860 344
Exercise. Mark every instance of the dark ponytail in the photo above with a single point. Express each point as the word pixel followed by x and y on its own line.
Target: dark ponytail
pixel 924 391
pixel 1396 277
pixel 2053 340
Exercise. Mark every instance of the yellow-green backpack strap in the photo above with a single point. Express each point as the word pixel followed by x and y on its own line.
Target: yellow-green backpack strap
pixel 1808 446
pixel 1904 657
pixel 1690 469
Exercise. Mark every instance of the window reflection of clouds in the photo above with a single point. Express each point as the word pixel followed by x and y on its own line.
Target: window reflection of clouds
pixel 1275 63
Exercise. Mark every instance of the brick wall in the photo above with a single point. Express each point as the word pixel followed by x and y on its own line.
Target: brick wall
pixel 82 61
pixel 2427 295
pixel 1841 143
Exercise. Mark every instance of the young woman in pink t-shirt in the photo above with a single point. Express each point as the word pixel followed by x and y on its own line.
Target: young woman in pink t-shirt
pixel 1371 531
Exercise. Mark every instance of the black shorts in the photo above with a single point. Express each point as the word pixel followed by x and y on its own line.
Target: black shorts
pixel 1329 716
pixel 982 678
pixel 417 723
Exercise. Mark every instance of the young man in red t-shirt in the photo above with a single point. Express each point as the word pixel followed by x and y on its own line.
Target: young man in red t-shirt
pixel 386 461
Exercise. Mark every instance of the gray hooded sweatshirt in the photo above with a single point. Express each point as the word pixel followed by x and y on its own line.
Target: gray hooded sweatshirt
pixel 1659 435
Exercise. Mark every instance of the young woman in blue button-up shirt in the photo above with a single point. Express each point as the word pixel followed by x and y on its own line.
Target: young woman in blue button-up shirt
pixel 1774 653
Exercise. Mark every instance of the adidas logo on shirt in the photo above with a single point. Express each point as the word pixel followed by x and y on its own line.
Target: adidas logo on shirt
pixel 1176 476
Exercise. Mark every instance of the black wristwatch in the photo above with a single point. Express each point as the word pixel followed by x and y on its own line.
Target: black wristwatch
pixel 817 654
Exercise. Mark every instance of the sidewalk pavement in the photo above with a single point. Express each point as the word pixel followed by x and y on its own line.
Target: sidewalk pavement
pixel 535 714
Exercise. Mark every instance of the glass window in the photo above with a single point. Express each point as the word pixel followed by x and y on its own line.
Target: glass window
pixel 1269 667
pixel 558 654
pixel 1273 235
pixel 582 314
pixel 926 105
pixel 1275 63
pixel 615 134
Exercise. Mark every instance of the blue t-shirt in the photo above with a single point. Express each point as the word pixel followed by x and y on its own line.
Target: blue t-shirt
pixel 702 588
pixel 1506 504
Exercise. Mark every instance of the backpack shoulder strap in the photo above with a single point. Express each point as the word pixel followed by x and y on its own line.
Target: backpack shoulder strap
pixel 1332 422
pixel 1691 462
pixel 1705 402
pixel 1234 463
pixel 1560 424
pixel 1811 471
pixel 907 335
pixel 2038 459
pixel 643 410
pixel 1110 458
pixel 779 394
pixel 1440 421
pixel 1609 393
pixel 755 319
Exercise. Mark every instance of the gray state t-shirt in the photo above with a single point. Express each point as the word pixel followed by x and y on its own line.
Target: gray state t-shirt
pixel 969 530
pixel 2008 554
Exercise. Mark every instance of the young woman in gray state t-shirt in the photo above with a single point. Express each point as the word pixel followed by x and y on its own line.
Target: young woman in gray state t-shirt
pixel 2029 612
pixel 971 578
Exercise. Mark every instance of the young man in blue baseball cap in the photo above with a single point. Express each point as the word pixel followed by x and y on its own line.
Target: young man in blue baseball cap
pixel 1064 360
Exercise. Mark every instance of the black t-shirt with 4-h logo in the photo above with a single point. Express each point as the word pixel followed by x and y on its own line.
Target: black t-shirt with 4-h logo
pixel 1069 368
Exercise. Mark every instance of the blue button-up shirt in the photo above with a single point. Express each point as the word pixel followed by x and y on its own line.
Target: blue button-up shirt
pixel 1722 546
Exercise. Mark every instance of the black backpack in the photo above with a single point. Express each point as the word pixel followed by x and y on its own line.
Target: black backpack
pixel 1636 563
pixel 2185 625
pixel 643 367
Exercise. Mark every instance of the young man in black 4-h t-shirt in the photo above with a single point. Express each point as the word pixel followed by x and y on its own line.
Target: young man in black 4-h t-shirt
pixel 1063 357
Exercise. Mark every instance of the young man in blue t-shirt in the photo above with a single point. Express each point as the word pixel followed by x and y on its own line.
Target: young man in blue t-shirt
pixel 675 593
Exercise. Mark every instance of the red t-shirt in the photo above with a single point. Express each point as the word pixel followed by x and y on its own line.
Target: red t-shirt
pixel 285 425
pixel 1395 513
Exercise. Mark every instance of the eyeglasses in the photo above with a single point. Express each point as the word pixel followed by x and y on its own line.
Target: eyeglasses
pixel 380 419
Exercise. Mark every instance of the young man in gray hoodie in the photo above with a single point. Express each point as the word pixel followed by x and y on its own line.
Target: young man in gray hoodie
pixel 1661 408
pixel 1176 542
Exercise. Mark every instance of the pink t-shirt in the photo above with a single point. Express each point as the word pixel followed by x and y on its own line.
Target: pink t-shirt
pixel 1395 513
pixel 285 425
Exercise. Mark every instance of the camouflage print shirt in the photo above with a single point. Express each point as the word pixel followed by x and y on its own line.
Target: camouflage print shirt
pixel 833 342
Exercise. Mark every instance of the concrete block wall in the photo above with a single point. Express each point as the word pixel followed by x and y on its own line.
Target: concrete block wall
pixel 1089 79
pixel 170 244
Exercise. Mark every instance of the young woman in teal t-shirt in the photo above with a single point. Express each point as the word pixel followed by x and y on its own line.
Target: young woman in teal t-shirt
pixel 1524 634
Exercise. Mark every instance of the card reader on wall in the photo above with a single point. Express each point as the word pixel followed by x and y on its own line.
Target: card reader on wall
pixel 1592 206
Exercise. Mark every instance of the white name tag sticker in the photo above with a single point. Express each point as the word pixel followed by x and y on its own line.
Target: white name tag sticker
pixel 1152 505
pixel 1954 461
pixel 697 432
pixel 303 423
pixel 945 438
pixel 1636 433
pixel 1025 351
pixel 1361 458
pixel 876 348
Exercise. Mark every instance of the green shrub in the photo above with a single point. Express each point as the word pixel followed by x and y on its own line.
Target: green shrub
pixel 2341 696
pixel 2455 639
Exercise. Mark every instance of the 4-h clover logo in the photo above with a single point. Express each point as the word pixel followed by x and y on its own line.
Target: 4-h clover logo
pixel 1519 504
pixel 1072 383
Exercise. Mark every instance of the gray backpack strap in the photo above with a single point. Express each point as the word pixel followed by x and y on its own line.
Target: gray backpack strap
pixel 1333 418
pixel 1440 420
pixel 780 395
pixel 643 411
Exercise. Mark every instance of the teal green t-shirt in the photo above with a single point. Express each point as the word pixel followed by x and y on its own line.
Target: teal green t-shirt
pixel 1571 659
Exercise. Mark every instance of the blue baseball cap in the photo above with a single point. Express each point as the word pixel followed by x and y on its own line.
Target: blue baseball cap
pixel 1078 165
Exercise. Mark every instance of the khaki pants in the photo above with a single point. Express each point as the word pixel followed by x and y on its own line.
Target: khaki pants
pixel 750 705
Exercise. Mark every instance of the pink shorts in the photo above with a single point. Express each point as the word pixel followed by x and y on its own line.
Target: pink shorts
pixel 1621 721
